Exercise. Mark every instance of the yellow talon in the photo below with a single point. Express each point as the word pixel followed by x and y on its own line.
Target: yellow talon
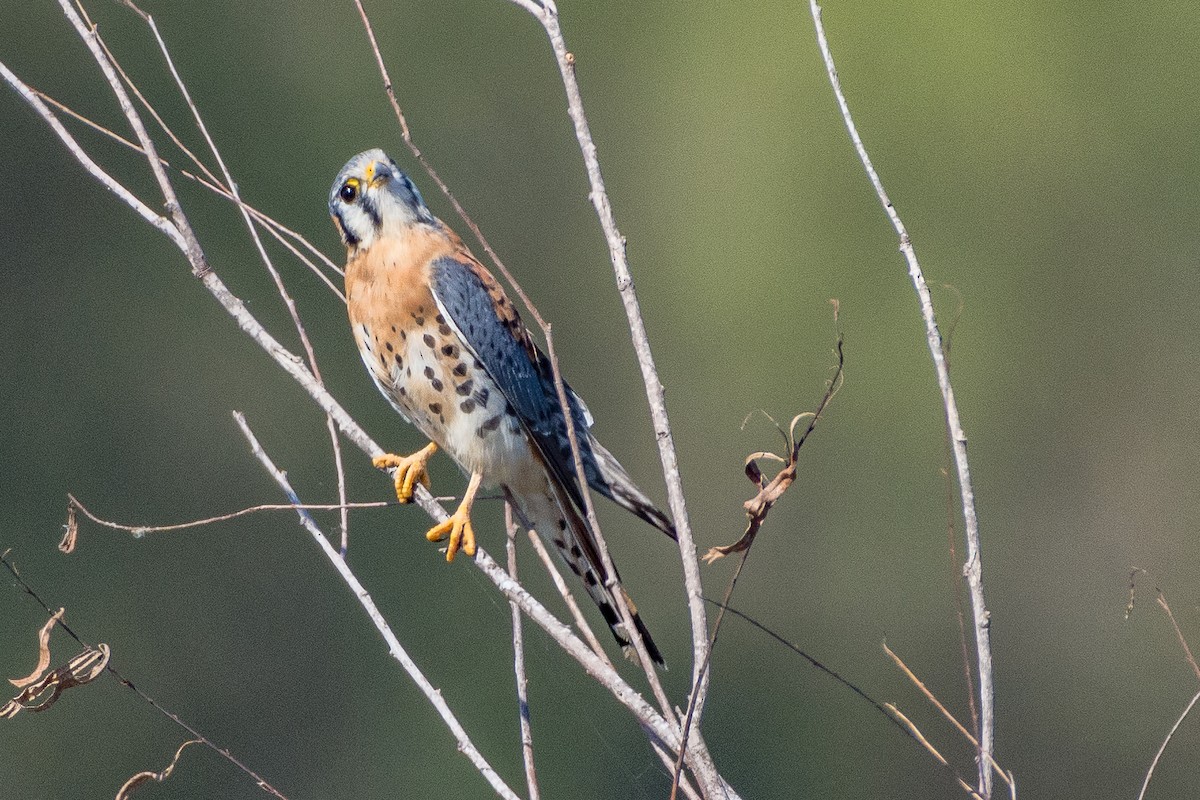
pixel 410 470
pixel 458 527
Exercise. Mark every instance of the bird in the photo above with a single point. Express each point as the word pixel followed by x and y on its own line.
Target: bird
pixel 448 350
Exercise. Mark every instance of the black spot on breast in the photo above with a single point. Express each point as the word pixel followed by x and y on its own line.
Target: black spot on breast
pixel 393 329
pixel 467 406
pixel 465 387
pixel 420 309
pixel 428 339
pixel 441 320
pixel 389 347
pixel 399 361
pixel 382 360
pixel 436 384
pixel 435 408
pixel 404 336
pixel 450 350
pixel 444 329
pixel 429 372
pixel 488 427
pixel 460 369
pixel 403 392
pixel 418 319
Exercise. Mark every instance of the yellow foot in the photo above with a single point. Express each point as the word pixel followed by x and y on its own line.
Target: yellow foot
pixel 462 535
pixel 410 470
pixel 458 527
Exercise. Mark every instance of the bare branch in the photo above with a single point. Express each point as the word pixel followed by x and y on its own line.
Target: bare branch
pixel 547 14
pixel 1187 651
pixel 1162 748
pixel 522 679
pixel 395 649
pixel 141 530
pixel 162 224
pixel 932 698
pixel 974 566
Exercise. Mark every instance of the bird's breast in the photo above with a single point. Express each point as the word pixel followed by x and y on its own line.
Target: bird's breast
pixel 422 367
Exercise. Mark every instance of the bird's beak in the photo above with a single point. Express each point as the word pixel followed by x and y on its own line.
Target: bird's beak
pixel 378 173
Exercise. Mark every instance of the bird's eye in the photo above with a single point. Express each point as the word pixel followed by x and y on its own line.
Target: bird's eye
pixel 348 192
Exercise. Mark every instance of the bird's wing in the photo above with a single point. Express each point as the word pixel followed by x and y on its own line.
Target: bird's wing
pixel 475 304
pixel 485 320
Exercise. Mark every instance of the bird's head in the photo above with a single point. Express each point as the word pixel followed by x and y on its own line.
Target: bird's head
pixel 372 197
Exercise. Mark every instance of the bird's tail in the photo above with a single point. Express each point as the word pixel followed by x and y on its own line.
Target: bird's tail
pixel 554 517
pixel 616 485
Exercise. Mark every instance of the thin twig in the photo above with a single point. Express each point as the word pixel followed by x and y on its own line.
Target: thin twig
pixel 920 737
pixel 564 591
pixel 395 649
pixel 547 15
pixel 141 530
pixel 281 232
pixel 522 679
pixel 223 752
pixel 689 716
pixel 160 223
pixel 1187 651
pixel 932 698
pixel 1163 746
pixel 974 566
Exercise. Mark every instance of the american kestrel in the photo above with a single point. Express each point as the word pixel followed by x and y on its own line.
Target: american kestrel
pixel 448 350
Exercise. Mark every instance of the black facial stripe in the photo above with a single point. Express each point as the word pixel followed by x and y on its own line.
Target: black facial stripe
pixel 368 206
pixel 347 236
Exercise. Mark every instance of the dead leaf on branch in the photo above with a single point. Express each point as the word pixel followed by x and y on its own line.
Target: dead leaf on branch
pixel 42 693
pixel 43 653
pixel 769 491
pixel 145 777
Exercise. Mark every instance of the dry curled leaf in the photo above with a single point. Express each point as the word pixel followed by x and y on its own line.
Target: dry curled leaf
pixel 769 491
pixel 70 531
pixel 43 653
pixel 39 696
pixel 145 777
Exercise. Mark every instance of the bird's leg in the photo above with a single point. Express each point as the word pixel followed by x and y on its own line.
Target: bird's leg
pixel 410 470
pixel 459 525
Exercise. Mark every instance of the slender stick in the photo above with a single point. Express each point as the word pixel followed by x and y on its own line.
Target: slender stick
pixel 522 679
pixel 547 15
pixel 162 224
pixel 974 567
pixel 395 649
pixel 141 530
pixel 1162 748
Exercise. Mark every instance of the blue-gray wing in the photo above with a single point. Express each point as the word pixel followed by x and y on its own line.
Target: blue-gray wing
pixel 491 328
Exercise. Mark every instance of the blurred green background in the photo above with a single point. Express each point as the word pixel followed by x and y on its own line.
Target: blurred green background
pixel 1044 160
